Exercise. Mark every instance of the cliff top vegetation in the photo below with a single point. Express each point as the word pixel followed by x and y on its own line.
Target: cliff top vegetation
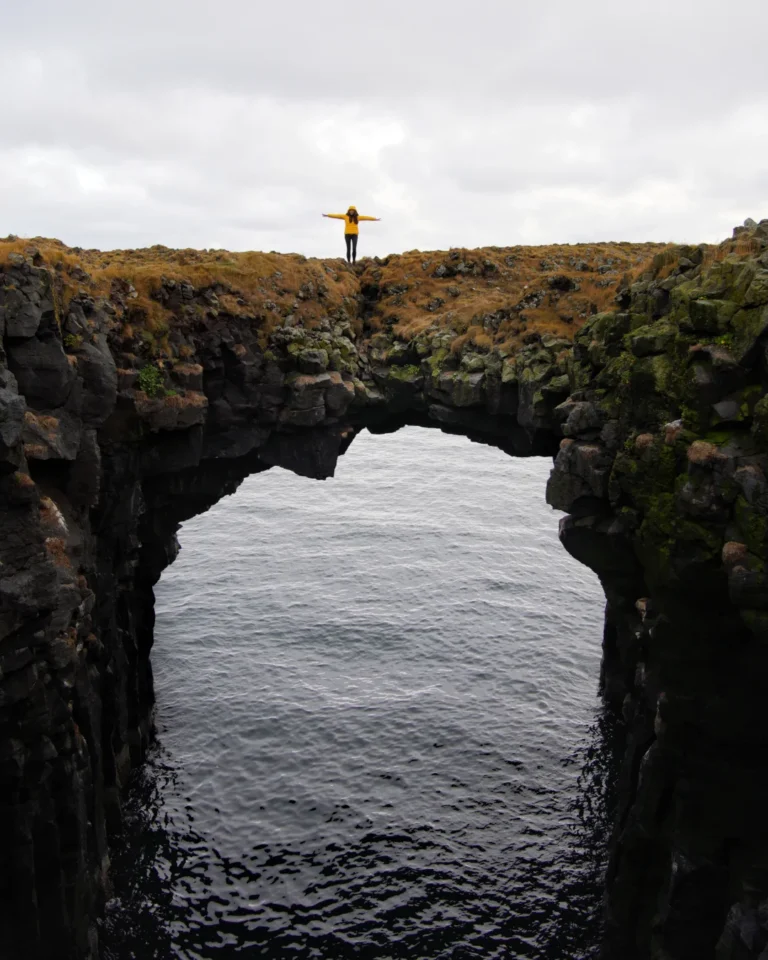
pixel 491 296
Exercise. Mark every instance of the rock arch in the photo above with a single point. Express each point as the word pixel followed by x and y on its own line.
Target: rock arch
pixel 657 416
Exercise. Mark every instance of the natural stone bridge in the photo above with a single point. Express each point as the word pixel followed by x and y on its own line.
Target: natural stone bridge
pixel 658 416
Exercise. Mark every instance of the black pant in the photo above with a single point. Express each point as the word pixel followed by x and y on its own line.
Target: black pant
pixel 351 239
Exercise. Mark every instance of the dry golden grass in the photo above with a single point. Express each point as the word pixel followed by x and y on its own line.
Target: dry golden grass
pixel 515 283
pixel 733 247
pixel 57 551
pixel 485 297
pixel 474 336
pixel 263 287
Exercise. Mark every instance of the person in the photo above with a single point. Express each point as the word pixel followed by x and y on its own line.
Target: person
pixel 351 219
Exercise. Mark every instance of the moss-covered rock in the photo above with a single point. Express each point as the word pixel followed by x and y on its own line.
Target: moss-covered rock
pixel 652 338
pixel 313 360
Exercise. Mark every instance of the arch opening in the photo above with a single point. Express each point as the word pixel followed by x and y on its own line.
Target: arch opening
pixel 377 729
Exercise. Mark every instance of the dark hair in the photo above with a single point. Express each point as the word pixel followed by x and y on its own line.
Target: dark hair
pixel 352 214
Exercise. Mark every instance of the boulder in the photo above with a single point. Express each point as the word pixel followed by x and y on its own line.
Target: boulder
pixel 581 470
pixel 757 293
pixel 651 339
pixel 581 417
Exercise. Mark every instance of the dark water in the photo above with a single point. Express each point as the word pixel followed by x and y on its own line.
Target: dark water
pixel 379 732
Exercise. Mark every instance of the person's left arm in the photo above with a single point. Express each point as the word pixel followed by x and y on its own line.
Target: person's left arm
pixel 368 218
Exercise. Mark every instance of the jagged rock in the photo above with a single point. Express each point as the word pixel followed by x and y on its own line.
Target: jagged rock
pixel 306 405
pixel 12 408
pixel 85 475
pixel 44 374
pixel 313 361
pixel 401 383
pixel 757 293
pixel 49 436
pixel 171 412
pixel 473 363
pixel 581 470
pixel 189 376
pixel 308 454
pixel 580 417
pixel 367 395
pixel 99 374
pixel 652 339
pixel 25 297
pixel 338 395
pixel 459 388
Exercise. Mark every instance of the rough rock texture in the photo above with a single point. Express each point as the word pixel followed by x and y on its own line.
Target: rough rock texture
pixel 658 416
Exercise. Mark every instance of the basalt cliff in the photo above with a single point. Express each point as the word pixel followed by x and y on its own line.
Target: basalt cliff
pixel 137 389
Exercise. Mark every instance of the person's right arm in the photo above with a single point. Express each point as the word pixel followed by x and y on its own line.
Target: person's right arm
pixel 336 216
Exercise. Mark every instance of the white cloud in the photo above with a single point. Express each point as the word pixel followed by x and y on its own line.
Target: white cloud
pixel 198 125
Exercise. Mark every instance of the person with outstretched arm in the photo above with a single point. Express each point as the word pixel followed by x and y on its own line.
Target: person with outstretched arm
pixel 351 219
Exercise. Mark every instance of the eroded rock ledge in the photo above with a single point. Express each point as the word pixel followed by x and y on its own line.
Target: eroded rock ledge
pixel 657 412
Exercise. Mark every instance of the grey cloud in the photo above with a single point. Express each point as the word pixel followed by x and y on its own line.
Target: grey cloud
pixel 238 124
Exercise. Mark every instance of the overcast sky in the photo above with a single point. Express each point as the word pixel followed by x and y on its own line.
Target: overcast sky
pixel 236 123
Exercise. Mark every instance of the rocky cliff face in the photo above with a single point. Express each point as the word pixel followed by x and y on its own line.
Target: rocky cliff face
pixel 125 410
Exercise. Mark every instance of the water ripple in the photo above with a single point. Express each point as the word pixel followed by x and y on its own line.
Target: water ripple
pixel 379 735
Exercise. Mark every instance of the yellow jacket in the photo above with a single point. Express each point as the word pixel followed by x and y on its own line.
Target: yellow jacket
pixel 349 225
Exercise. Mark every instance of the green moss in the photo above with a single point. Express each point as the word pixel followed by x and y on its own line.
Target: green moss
pixel 760 424
pixel 643 475
pixel 692 419
pixel 509 371
pixel 618 371
pixel 150 380
pixel 343 347
pixel 667 464
pixel 718 437
pixel 72 341
pixel 436 360
pixel 407 373
pixel 748 326
pixel 665 374
pixel 753 526
pixel 665 533
pixel 557 386
pixel 752 395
